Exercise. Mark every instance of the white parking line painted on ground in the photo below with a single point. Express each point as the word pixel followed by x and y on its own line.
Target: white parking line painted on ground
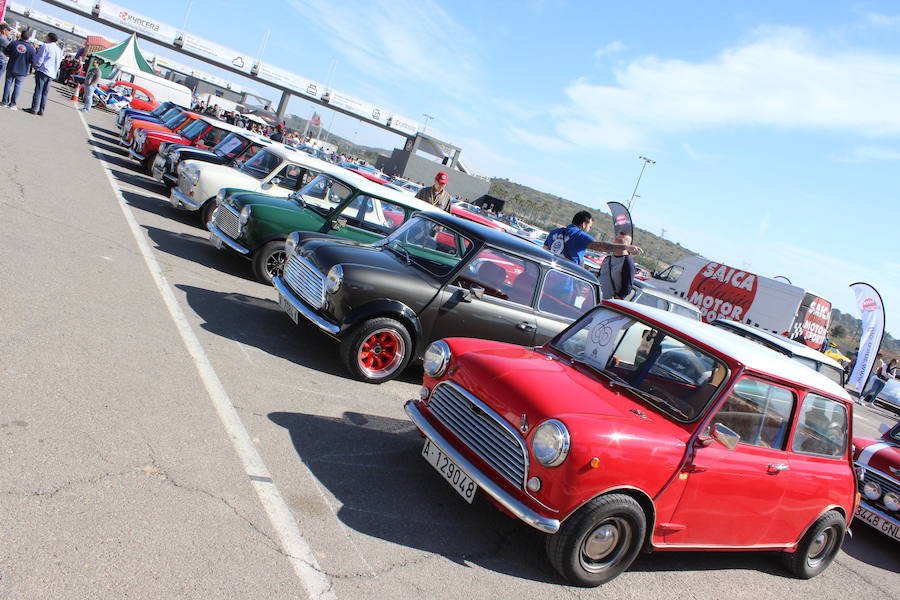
pixel 305 565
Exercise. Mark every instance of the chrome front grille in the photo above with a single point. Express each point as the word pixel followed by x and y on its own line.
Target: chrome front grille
pixel 886 483
pixel 482 430
pixel 228 221
pixel 306 280
pixel 185 186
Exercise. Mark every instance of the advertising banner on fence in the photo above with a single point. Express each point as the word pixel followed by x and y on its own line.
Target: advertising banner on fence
pixel 85 6
pixel 871 310
pixel 403 124
pixel 138 23
pixel 2 10
pixel 215 52
pixel 289 80
pixel 356 106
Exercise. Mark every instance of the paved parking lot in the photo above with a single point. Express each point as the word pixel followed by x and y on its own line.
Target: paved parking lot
pixel 166 431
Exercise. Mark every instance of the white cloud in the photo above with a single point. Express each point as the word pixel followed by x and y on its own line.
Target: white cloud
pixel 539 141
pixel 781 78
pixel 861 154
pixel 404 42
pixel 890 22
pixel 610 48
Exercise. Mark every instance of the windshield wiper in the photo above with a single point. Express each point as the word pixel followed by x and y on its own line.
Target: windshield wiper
pixel 617 380
pixel 401 250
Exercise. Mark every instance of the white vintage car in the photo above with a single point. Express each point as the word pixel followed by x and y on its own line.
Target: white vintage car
pixel 276 171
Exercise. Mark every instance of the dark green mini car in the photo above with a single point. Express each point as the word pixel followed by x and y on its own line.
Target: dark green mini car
pixel 335 202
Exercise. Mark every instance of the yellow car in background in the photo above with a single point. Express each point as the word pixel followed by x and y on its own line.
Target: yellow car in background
pixel 835 353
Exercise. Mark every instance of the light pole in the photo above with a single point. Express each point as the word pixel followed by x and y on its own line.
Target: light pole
pixel 634 195
pixel 427 118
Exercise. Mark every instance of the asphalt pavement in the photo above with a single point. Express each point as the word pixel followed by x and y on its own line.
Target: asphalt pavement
pixel 167 432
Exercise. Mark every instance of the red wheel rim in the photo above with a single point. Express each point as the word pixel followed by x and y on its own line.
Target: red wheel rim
pixel 381 353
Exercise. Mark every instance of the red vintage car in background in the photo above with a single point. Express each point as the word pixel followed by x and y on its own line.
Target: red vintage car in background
pixel 175 120
pixel 141 98
pixel 471 215
pixel 638 429
pixel 203 132
pixel 878 471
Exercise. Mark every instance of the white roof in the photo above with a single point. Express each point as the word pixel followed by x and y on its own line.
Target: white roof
pixel 649 288
pixel 750 354
pixel 793 347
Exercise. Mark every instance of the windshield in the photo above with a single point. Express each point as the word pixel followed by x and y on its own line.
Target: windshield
pixel 261 165
pixel 434 248
pixel 324 194
pixel 175 121
pixel 169 114
pixel 674 377
pixel 684 311
pixel 193 130
pixel 230 147
pixel 162 108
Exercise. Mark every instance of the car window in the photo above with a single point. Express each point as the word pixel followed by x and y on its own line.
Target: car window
pixel 213 137
pixel 324 193
pixel 684 311
pixel 434 248
pixel 374 214
pixel 229 146
pixel 565 296
pixel 261 165
pixel 176 121
pixel 672 273
pixel 249 152
pixel 502 276
pixel 759 412
pixel 832 373
pixel 141 96
pixel 193 130
pixel 821 427
pixel 291 176
pixel 648 299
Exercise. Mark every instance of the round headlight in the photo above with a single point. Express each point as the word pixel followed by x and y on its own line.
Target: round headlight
pixel 437 357
pixel 550 443
pixel 872 490
pixel 892 501
pixel 290 243
pixel 245 214
pixel 334 279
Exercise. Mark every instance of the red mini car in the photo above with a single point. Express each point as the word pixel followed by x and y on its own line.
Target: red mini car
pixel 203 132
pixel 174 120
pixel 638 429
pixel 878 468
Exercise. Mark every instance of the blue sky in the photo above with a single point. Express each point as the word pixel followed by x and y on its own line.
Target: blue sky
pixel 775 125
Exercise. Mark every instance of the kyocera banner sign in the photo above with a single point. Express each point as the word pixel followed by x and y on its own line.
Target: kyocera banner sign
pixel 403 124
pixel 720 291
pixel 215 52
pixel 138 23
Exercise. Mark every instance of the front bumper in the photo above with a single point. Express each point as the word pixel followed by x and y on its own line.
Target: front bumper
pixel 135 155
pixel 123 139
pixel 159 167
pixel 883 522
pixel 312 316
pixel 226 239
pixel 178 199
pixel 506 500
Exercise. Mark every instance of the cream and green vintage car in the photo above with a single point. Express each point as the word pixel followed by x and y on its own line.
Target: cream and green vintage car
pixel 275 171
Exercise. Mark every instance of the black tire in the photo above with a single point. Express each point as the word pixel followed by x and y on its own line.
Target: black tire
pixel 377 350
pixel 206 212
pixel 268 261
pixel 147 163
pixel 818 547
pixel 599 541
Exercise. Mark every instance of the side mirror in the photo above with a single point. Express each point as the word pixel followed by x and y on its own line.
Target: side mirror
pixel 726 436
pixel 339 223
pixel 475 291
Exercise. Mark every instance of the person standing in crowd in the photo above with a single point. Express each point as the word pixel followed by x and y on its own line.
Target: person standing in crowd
pixel 7 36
pixel 571 241
pixel 617 271
pixel 91 79
pixel 20 53
pixel 884 372
pixel 46 66
pixel 278 136
pixel 437 194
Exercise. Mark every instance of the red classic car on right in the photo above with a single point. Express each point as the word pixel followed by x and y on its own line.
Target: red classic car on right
pixel 637 429
pixel 878 470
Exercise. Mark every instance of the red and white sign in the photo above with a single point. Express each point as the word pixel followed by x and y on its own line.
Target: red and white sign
pixel 2 10
pixel 868 304
pixel 137 22
pixel 621 219
pixel 722 292
pixel 813 322
pixel 871 310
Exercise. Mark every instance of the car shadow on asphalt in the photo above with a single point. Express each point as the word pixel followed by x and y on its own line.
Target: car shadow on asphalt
pixel 373 466
pixel 194 248
pixel 160 206
pixel 112 135
pixel 260 323
pixel 113 143
pixel 872 547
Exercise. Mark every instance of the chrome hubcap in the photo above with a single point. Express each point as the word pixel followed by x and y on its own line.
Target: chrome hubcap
pixel 605 545
pixel 821 547
pixel 601 541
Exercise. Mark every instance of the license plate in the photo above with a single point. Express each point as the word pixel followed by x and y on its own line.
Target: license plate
pixel 289 308
pixel 215 240
pixel 886 527
pixel 460 482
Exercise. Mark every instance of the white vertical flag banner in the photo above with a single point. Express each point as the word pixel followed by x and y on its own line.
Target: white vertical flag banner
pixel 871 310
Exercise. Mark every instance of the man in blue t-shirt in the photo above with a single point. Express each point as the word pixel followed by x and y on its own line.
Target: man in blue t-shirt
pixel 571 241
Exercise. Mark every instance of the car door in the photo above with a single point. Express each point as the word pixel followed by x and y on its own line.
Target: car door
pixel 737 497
pixel 503 312
pixel 562 299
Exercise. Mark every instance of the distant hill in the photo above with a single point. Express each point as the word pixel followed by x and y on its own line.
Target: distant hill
pixel 845 331
pixel 548 212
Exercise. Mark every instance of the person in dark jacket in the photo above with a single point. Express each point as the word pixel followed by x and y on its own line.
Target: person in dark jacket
pixel 20 54
pixel 617 271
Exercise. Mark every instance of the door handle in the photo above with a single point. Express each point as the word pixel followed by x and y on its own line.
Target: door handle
pixel 526 326
pixel 775 469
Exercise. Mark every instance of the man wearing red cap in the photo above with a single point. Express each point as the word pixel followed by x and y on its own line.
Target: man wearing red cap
pixel 437 194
